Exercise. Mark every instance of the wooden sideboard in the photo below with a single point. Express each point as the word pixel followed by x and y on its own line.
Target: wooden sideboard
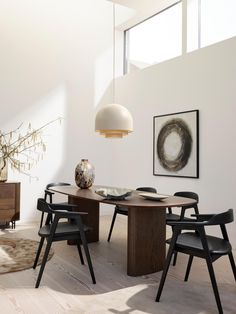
pixel 9 203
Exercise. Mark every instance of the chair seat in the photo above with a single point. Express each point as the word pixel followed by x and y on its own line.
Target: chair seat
pixel 174 217
pixel 63 228
pixel 191 241
pixel 121 210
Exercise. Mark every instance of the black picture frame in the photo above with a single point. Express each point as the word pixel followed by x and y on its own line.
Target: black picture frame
pixel 176 144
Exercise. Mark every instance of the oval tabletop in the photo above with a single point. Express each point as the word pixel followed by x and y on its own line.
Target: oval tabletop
pixel 134 200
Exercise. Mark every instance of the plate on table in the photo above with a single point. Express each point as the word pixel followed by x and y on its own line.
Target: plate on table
pixel 153 196
pixel 114 193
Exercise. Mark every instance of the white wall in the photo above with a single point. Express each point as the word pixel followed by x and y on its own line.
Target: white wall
pixel 56 60
pixel 204 80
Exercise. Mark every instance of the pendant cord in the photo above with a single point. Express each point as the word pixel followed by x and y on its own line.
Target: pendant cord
pixel 199 24
pixel 114 55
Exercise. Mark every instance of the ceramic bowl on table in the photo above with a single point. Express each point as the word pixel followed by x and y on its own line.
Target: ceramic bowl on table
pixel 114 193
pixel 153 196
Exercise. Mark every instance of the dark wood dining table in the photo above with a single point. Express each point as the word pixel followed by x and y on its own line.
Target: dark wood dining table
pixel 146 224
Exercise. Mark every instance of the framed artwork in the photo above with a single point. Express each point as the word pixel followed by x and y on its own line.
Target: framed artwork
pixel 176 144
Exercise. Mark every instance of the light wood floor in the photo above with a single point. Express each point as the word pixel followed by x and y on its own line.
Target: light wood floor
pixel 66 285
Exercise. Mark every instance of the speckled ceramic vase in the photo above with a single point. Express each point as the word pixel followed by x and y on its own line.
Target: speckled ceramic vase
pixel 84 174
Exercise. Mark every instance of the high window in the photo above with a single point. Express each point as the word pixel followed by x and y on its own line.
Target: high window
pixel 209 22
pixel 218 20
pixel 154 40
pixel 159 38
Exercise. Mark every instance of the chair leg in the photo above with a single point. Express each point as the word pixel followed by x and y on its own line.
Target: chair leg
pixel 112 225
pixel 45 257
pixel 167 264
pixel 214 284
pixel 41 221
pixel 175 258
pixel 86 250
pixel 190 260
pixel 38 252
pixel 175 253
pixel 80 252
pixel 231 258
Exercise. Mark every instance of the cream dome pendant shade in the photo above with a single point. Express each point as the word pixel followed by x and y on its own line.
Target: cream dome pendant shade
pixel 113 121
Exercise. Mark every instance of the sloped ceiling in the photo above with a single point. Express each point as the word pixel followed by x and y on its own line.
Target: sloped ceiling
pixel 141 9
pixel 140 5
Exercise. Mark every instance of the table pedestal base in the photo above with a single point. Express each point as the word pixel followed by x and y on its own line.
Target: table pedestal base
pixel 146 240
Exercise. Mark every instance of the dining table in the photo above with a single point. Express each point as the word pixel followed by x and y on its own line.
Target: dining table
pixel 146 236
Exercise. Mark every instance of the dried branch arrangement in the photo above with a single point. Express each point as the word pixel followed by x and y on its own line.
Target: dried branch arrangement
pixel 22 150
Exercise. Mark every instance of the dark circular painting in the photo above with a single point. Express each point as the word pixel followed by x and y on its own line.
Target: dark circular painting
pixel 174 145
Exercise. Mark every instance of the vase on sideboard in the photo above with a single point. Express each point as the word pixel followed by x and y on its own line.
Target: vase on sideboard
pixel 84 174
pixel 3 169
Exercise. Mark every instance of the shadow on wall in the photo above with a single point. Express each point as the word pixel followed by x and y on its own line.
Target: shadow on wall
pixel 48 69
pixel 48 108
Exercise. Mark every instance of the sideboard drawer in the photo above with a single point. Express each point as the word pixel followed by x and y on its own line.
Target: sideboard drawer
pixel 7 214
pixel 7 196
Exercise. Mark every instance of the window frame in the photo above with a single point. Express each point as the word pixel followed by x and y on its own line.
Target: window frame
pixel 125 35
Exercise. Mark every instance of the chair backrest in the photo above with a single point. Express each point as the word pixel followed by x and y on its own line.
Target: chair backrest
pixel 147 189
pixel 187 194
pixel 48 193
pixel 43 206
pixel 56 184
pixel 222 218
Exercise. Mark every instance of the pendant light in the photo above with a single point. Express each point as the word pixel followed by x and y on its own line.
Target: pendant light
pixel 113 120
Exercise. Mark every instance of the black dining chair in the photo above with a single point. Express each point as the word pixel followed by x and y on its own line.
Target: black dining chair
pixel 171 216
pixel 53 230
pixel 49 194
pixel 124 210
pixel 198 243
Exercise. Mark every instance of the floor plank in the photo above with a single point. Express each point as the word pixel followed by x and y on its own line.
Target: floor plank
pixel 66 286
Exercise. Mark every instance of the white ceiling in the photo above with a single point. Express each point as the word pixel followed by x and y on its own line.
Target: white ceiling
pixel 140 4
pixel 140 10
